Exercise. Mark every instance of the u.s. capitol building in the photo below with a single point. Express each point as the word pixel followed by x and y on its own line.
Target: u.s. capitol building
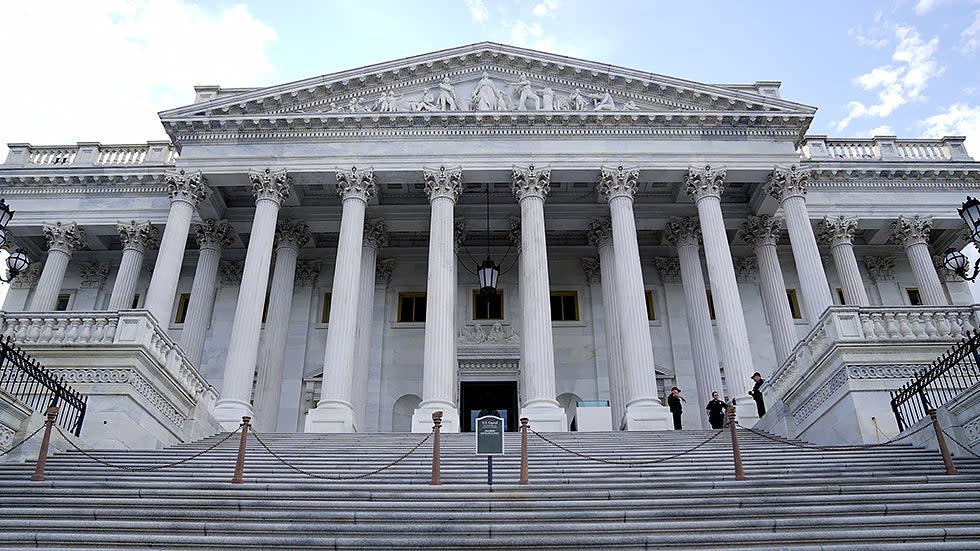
pixel 307 254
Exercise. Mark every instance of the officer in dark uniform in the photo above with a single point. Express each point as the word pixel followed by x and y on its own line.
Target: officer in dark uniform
pixel 716 411
pixel 674 403
pixel 756 394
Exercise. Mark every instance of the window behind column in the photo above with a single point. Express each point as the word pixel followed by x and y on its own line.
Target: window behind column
pixel 411 307
pixel 915 299
pixel 840 296
pixel 61 305
pixel 564 306
pixel 182 302
pixel 325 308
pixel 651 312
pixel 711 304
pixel 136 302
pixel 794 304
pixel 488 307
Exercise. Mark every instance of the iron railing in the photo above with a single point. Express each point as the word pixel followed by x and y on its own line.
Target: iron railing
pixel 28 381
pixel 935 385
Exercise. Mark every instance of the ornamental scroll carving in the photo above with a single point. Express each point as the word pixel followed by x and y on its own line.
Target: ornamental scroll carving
pixel 668 268
pixel 746 268
pixel 271 185
pixel 443 182
pixel 93 274
pixel 27 279
pixel 356 184
pixel 707 181
pixel 683 231
pixel 531 182
pixel 590 265
pixel 307 272
pixel 911 230
pixel 880 268
pixel 375 233
pixel 837 230
pixel 213 234
pixel 65 238
pixel 140 236
pixel 758 231
pixel 230 271
pixel 618 182
pixel 292 233
pixel 188 187
pixel 600 232
pixel 786 182
pixel 383 269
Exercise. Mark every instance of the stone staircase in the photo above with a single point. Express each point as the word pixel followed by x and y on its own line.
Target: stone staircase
pixel 887 498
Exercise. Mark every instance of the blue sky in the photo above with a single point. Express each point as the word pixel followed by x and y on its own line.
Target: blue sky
pixel 100 70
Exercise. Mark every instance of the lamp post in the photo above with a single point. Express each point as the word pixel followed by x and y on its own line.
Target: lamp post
pixel 956 261
pixel 18 261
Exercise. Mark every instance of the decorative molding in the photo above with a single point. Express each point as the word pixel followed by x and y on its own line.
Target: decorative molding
pixel 618 182
pixel 531 182
pixel 383 270
pixel 892 371
pixel 837 230
pixel 746 269
pixel 972 430
pixel 230 272
pixel 683 231
pixel 187 187
pixel 786 182
pixel 669 268
pixel 443 182
pixel 911 230
pixel 459 232
pixel 820 396
pixel 707 181
pixel 488 334
pixel 28 278
pixel 514 233
pixel 759 231
pixel 6 437
pixel 307 272
pixel 65 238
pixel 140 236
pixel 600 232
pixel 880 268
pixel 270 185
pixel 133 379
pixel 93 274
pixel 292 234
pixel 356 184
pixel 590 265
pixel 375 233
pixel 213 234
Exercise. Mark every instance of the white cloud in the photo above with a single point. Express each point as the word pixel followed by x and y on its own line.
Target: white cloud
pixel 883 130
pixel 923 6
pixel 100 70
pixel 522 33
pixel 959 119
pixel 875 37
pixel 478 10
pixel 970 37
pixel 897 84
pixel 545 6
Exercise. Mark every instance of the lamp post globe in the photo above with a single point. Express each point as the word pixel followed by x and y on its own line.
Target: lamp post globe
pixel 955 261
pixel 17 262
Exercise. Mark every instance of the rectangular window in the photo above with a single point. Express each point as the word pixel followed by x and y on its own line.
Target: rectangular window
pixel 711 304
pixel 651 314
pixel 488 307
pixel 325 311
pixel 915 299
pixel 182 302
pixel 840 296
pixel 564 306
pixel 411 307
pixel 136 301
pixel 62 304
pixel 794 304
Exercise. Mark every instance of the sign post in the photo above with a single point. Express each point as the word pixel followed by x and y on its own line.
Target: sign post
pixel 489 440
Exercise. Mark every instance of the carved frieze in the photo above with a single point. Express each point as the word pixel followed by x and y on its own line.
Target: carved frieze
pixel 531 182
pixel 911 230
pixel 837 230
pixel 600 232
pixel 213 234
pixel 354 183
pixel 291 233
pixel 590 265
pixel 307 272
pixel 271 185
pixel 683 231
pixel 758 231
pixel 669 268
pixel 64 237
pixel 786 182
pixel 495 333
pixel 188 187
pixel 93 274
pixel 618 182
pixel 140 236
pixel 706 181
pixel 443 182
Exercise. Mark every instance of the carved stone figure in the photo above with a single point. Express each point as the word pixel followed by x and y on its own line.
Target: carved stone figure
pixel 602 102
pixel 426 103
pixel 526 92
pixel 577 102
pixel 486 96
pixel 630 105
pixel 387 103
pixel 334 108
pixel 356 107
pixel 447 96
pixel 547 99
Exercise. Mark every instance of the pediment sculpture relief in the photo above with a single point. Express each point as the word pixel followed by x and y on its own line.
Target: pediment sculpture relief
pixel 496 333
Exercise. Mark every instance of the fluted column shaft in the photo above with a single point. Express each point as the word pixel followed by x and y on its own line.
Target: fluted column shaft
pixel 270 189
pixel 774 300
pixel 912 233
pixel 707 375
pixel 186 191
pixel 136 238
pixel 614 344
pixel 212 237
pixel 335 413
pixel 850 276
pixel 365 329
pixel 62 240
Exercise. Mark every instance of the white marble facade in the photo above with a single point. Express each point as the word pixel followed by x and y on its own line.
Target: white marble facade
pixel 371 185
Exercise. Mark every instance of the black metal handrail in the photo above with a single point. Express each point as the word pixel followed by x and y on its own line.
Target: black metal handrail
pixel 30 382
pixel 953 372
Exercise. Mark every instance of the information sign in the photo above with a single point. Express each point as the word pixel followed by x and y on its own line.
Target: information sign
pixel 489 435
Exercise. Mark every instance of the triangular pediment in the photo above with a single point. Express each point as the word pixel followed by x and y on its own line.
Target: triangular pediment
pixel 489 77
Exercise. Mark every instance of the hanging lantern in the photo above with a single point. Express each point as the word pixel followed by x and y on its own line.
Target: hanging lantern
pixel 488 272
pixel 970 213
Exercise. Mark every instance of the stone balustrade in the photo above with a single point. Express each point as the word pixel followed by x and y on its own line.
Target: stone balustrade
pixel 884 148
pixel 91 154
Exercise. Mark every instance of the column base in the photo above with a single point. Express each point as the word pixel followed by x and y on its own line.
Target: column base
pixel 546 418
pixel 229 413
pixel 746 412
pixel 648 417
pixel 422 419
pixel 332 417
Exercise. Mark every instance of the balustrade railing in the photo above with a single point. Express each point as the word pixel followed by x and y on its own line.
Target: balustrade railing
pixel 91 154
pixel 26 380
pixel 955 371
pixel 52 155
pixel 884 148
pixel 122 154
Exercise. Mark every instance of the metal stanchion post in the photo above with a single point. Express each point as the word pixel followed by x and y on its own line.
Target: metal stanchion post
pixel 240 462
pixel 736 451
pixel 523 479
pixel 436 440
pixel 947 459
pixel 42 454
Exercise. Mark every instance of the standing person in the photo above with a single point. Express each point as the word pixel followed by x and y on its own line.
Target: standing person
pixel 756 394
pixel 716 411
pixel 674 403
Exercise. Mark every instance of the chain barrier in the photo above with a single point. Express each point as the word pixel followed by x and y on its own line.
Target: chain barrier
pixel 39 429
pixel 328 477
pixel 627 463
pixel 958 443
pixel 833 448
pixel 146 469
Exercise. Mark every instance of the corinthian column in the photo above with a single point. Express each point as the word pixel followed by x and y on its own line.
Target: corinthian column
pixel 762 232
pixel 137 237
pixel 289 237
pixel 685 234
pixel 439 357
pixel 788 186
pixel 601 237
pixel 643 409
pixel 270 190
pixel 705 185
pixel 63 239
pixel 531 185
pixel 212 237
pixel 375 237
pixel 838 233
pixel 186 192
pixel 335 413
pixel 912 233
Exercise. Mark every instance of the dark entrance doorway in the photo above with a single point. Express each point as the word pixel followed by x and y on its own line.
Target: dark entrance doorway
pixel 478 396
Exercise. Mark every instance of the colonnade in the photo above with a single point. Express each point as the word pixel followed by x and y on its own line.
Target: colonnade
pixel 631 374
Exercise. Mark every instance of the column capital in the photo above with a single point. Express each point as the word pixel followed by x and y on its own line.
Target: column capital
pixel 618 182
pixel 213 234
pixel 375 233
pixel 383 269
pixel 837 230
pixel 590 265
pixel 459 232
pixel 880 268
pixel 93 274
pixel 189 187
pixel 706 181
pixel 531 182
pixel 600 232
pixel 230 272
pixel 669 268
pixel 291 234
pixel 66 238
pixel 910 230
pixel 758 231
pixel 307 272
pixel 683 231
pixel 271 185
pixel 356 184
pixel 140 236
pixel 746 268
pixel 786 182
pixel 443 182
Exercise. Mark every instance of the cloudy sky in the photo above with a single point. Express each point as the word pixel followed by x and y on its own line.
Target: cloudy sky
pixel 101 70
